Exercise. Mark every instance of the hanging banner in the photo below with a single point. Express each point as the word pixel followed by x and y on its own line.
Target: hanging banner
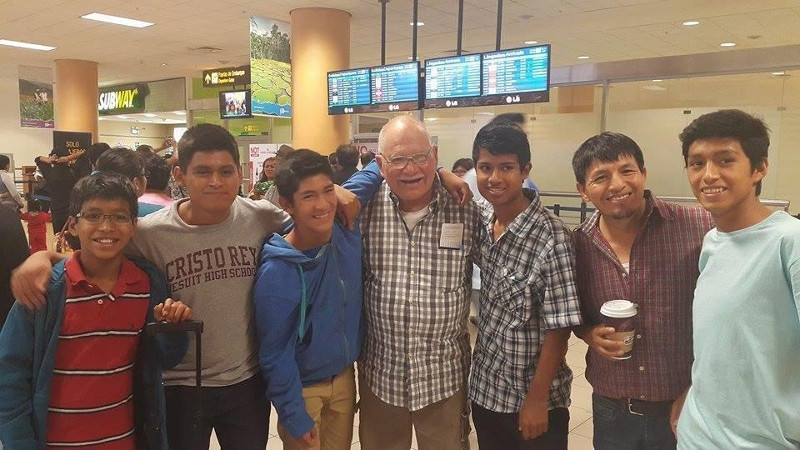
pixel 259 153
pixel 270 67
pixel 36 97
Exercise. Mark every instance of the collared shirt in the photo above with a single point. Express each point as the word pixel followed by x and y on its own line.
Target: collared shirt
pixel 663 272
pixel 416 300
pixel 91 394
pixel 527 288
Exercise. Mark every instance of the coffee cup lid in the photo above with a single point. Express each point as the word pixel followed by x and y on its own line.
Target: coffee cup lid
pixel 618 309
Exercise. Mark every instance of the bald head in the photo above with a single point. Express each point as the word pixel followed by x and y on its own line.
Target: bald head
pixel 402 127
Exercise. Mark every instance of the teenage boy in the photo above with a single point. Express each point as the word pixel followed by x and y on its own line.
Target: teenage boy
pixel 79 373
pixel 745 387
pixel 207 246
pixel 638 248
pixel 520 382
pixel 308 324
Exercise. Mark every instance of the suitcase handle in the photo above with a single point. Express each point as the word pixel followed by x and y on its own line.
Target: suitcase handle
pixel 153 328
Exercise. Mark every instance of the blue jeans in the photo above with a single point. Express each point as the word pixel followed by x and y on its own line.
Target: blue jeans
pixel 616 428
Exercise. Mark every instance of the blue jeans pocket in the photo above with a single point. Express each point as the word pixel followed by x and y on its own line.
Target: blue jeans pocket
pixel 603 409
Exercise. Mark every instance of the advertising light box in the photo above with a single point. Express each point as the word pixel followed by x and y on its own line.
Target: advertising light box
pixel 516 76
pixel 348 91
pixel 395 87
pixel 453 81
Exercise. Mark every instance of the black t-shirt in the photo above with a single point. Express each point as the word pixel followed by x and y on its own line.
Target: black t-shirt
pixel 13 249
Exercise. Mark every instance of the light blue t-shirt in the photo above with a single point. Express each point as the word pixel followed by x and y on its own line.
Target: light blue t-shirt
pixel 745 390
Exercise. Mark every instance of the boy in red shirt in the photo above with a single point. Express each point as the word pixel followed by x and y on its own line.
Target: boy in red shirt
pixel 37 226
pixel 71 372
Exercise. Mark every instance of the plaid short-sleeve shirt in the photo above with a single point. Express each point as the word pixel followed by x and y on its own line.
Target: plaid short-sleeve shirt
pixel 527 287
pixel 416 300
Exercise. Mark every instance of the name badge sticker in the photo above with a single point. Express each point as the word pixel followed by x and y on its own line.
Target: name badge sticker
pixel 452 235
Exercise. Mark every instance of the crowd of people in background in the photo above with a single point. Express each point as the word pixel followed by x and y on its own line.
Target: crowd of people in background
pixel 329 291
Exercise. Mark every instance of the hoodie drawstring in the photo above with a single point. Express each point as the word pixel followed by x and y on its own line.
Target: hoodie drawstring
pixel 301 330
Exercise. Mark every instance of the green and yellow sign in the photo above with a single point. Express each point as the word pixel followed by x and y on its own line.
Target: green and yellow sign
pixel 226 76
pixel 122 99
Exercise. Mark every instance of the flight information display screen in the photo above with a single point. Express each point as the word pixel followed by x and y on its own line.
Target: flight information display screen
pixel 519 75
pixel 450 82
pixel 395 87
pixel 348 91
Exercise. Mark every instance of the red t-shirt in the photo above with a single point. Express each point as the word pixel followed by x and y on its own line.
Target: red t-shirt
pixel 91 394
pixel 37 229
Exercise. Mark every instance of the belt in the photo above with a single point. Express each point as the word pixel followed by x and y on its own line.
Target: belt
pixel 642 407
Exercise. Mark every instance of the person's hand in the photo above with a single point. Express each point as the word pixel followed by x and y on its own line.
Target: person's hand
pixel 46 159
pixel 598 339
pixel 310 439
pixel 455 186
pixel 533 418
pixel 29 281
pixel 172 311
pixel 348 207
pixel 675 412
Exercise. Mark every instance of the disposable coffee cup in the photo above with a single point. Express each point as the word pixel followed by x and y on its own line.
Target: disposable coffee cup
pixel 620 315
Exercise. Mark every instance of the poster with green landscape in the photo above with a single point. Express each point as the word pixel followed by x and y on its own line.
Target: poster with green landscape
pixel 270 68
pixel 36 97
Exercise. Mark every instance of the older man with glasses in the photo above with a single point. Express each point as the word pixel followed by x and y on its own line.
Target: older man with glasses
pixel 417 243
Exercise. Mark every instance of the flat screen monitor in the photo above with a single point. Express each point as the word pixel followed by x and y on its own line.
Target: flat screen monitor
pixel 395 87
pixel 235 104
pixel 453 81
pixel 348 91
pixel 513 76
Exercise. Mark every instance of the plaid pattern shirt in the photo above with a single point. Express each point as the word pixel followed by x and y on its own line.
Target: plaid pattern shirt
pixel 527 287
pixel 416 301
pixel 662 275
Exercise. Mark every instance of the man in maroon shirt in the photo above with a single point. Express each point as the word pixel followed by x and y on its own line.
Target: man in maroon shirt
pixel 638 248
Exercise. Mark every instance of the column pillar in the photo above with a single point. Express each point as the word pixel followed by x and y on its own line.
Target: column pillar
pixel 320 43
pixel 75 96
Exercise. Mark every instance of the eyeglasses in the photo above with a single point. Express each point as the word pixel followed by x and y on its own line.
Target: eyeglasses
pixel 400 162
pixel 93 217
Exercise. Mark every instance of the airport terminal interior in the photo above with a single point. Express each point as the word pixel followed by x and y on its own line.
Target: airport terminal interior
pixel 644 68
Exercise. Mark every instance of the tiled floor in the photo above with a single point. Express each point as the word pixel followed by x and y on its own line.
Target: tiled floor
pixel 580 423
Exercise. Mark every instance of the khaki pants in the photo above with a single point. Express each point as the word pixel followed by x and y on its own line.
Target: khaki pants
pixel 332 405
pixel 443 425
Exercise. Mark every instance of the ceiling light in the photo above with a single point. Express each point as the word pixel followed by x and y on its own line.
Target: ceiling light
pixel 583 57
pixel 779 74
pixel 728 44
pixel 485 113
pixel 150 115
pixel 410 58
pixel 45 48
pixel 431 119
pixel 657 81
pixel 419 24
pixel 122 117
pixel 164 64
pixel 180 113
pixel 117 20
pixel 530 42
pixel 691 23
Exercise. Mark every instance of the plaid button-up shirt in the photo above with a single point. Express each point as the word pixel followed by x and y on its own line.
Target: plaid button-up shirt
pixel 661 279
pixel 416 301
pixel 527 287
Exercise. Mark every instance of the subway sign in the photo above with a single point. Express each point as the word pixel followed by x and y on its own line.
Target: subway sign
pixel 226 76
pixel 122 99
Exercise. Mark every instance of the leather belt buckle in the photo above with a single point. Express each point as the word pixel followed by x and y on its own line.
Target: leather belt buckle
pixel 630 408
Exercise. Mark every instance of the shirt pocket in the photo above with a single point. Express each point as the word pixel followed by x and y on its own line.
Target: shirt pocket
pixel 512 291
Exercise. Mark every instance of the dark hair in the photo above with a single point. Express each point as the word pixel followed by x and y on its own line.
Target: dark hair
pixel 515 118
pixel 34 205
pixel 123 161
pixel 333 159
pixel 95 150
pixel 144 148
pixel 606 147
pixel 205 137
pixel 104 186
pixel 466 163
pixel 5 162
pixel 263 177
pixel 296 167
pixel 157 171
pixel 751 132
pixel 503 138
pixel 366 158
pixel 347 156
